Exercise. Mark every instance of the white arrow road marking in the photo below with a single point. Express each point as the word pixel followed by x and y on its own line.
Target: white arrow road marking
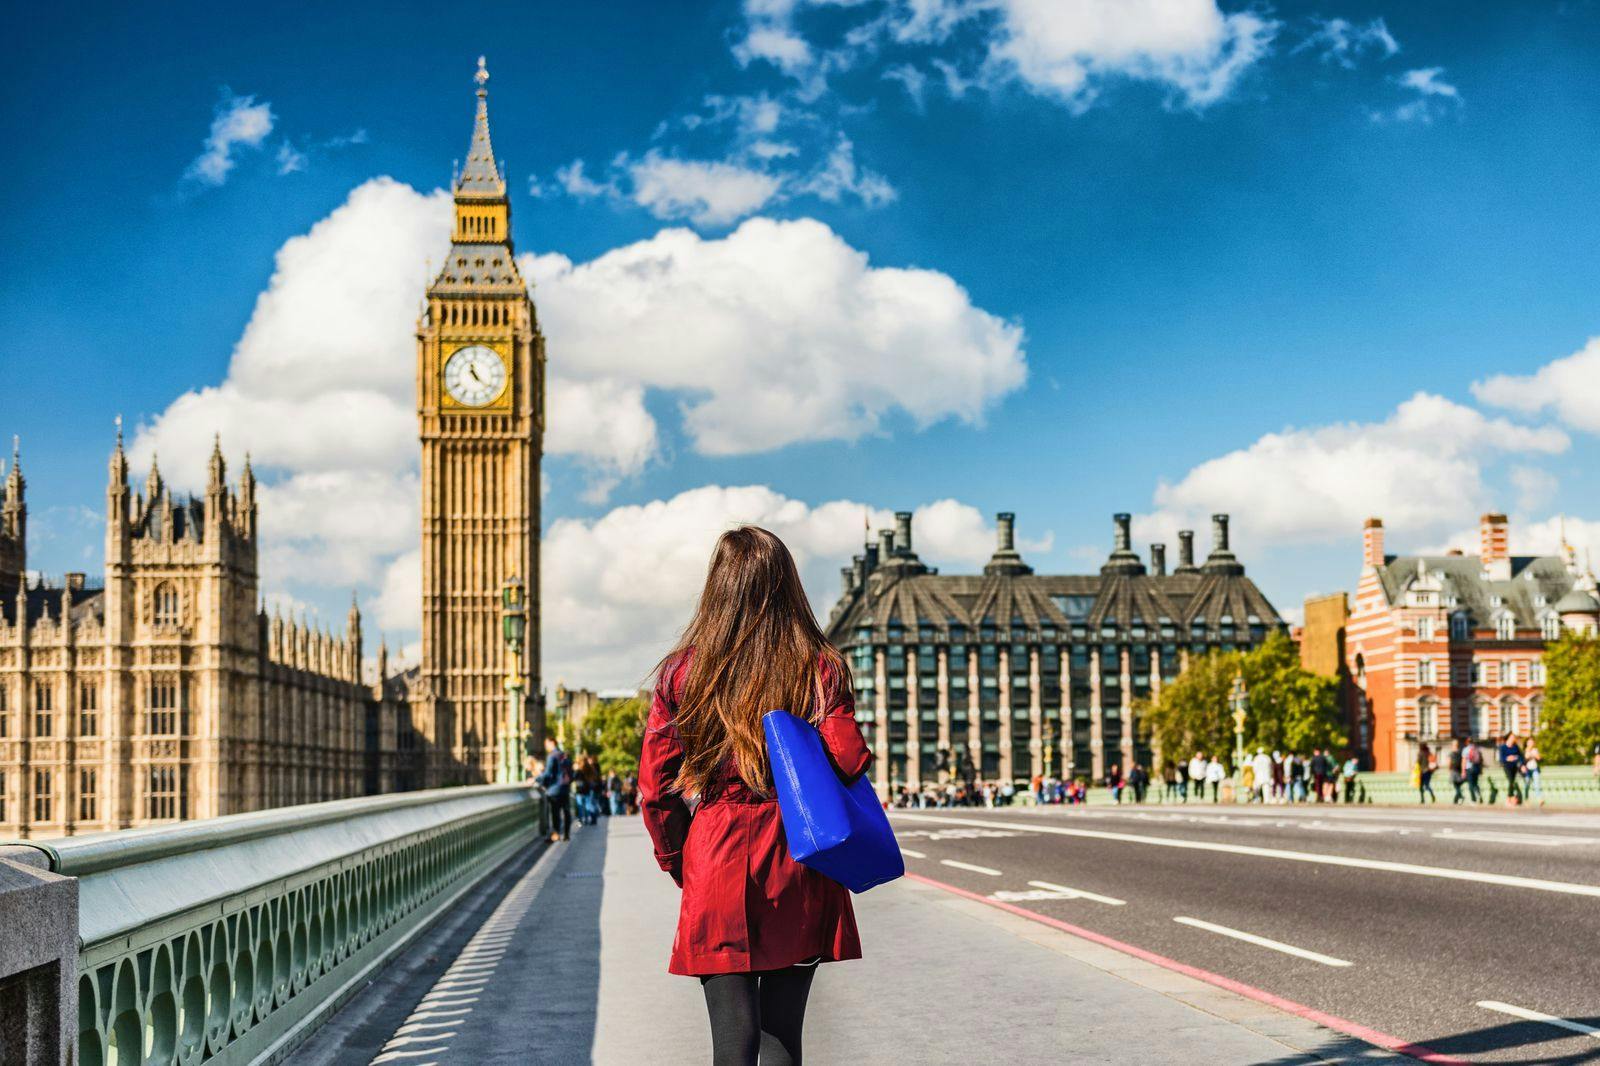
pixel 1480 876
pixel 1078 893
pixel 1537 1016
pixel 1261 941
pixel 970 866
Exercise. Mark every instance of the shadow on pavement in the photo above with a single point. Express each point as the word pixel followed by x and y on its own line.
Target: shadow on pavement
pixel 1515 1035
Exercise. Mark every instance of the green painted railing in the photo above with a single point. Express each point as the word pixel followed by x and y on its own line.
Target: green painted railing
pixel 1563 786
pixel 230 940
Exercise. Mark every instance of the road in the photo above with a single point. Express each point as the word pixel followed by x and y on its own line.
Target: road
pixel 1475 934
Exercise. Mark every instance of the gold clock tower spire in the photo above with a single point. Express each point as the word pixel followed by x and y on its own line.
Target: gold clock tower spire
pixel 480 411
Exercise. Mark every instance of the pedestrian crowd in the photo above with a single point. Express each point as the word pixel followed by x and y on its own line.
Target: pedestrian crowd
pixel 1466 763
pixel 578 787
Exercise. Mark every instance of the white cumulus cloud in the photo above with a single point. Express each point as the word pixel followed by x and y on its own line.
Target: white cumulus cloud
pixel 1066 50
pixel 1569 387
pixel 1420 469
pixel 707 192
pixel 239 122
pixel 619 588
pixel 777 333
pixel 1345 43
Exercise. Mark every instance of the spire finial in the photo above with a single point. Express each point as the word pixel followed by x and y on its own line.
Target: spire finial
pixel 119 430
pixel 482 76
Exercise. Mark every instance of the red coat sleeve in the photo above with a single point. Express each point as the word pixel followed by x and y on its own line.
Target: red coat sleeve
pixel 841 734
pixel 665 814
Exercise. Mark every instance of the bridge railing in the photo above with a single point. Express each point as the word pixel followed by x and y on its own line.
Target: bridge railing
pixel 230 940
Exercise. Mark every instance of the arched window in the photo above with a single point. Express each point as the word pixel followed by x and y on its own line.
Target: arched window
pixel 1478 723
pixel 1460 626
pixel 1427 717
pixel 164 605
pixel 1508 715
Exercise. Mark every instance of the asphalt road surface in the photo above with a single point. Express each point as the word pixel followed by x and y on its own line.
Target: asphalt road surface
pixel 1475 934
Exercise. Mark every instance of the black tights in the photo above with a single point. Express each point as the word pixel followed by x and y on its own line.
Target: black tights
pixel 757 1016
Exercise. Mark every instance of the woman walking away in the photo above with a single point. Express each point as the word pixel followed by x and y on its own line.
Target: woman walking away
pixel 752 924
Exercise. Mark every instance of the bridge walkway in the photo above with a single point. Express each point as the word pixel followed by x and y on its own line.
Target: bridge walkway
pixel 560 957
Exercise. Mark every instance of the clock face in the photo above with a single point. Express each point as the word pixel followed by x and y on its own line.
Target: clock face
pixel 475 375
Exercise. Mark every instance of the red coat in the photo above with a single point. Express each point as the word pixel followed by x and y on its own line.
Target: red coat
pixel 746 904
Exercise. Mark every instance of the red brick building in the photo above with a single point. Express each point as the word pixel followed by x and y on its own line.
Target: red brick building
pixel 1441 646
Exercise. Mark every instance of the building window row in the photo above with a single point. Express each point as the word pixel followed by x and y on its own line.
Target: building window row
pixel 88 795
pixel 43 797
pixel 164 793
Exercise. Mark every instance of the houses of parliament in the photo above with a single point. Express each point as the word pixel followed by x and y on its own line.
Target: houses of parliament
pixel 167 691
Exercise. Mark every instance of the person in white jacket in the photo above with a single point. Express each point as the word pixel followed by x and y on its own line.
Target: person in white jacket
pixel 1215 774
pixel 1262 765
pixel 1197 777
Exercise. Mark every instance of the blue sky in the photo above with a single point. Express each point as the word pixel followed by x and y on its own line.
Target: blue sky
pixel 1196 257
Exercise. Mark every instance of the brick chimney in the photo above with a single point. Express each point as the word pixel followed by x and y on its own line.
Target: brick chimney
pixel 1372 542
pixel 1158 560
pixel 1493 549
pixel 902 532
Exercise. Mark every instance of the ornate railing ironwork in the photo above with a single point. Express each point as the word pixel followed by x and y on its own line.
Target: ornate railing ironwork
pixel 230 940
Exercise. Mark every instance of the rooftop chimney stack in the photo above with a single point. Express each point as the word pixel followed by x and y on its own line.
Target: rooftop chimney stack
pixel 1219 533
pixel 885 545
pixel 847 579
pixel 1005 531
pixel 1158 560
pixel 1005 559
pixel 902 532
pixel 1372 542
pixel 1185 551
pixel 1494 547
pixel 1124 536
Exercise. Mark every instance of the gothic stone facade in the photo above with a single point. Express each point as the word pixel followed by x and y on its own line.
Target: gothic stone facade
pixel 480 406
pixel 165 692
pixel 168 693
pixel 1442 646
pixel 1025 673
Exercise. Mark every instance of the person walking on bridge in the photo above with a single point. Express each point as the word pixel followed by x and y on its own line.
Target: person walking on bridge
pixel 557 784
pixel 752 924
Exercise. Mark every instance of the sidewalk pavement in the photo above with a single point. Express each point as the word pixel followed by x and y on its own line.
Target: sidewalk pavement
pixel 570 967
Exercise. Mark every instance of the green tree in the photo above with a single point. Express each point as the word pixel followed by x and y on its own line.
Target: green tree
pixel 613 732
pixel 1570 723
pixel 1290 708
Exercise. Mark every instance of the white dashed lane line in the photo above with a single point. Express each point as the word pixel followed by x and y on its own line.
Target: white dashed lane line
pixel 970 866
pixel 1540 1016
pixel 908 853
pixel 1261 941
pixel 1078 893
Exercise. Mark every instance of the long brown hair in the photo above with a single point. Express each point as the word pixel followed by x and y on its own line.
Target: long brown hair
pixel 753 646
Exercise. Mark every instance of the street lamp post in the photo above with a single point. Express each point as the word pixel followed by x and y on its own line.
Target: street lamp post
pixel 514 627
pixel 1239 699
pixel 1049 746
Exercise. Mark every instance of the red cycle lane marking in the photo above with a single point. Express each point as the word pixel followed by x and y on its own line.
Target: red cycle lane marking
pixel 1331 1021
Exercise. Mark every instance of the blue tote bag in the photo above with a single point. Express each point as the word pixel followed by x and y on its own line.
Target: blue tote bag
pixel 838 830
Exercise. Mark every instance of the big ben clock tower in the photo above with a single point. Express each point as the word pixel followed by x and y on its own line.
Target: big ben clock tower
pixel 480 406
